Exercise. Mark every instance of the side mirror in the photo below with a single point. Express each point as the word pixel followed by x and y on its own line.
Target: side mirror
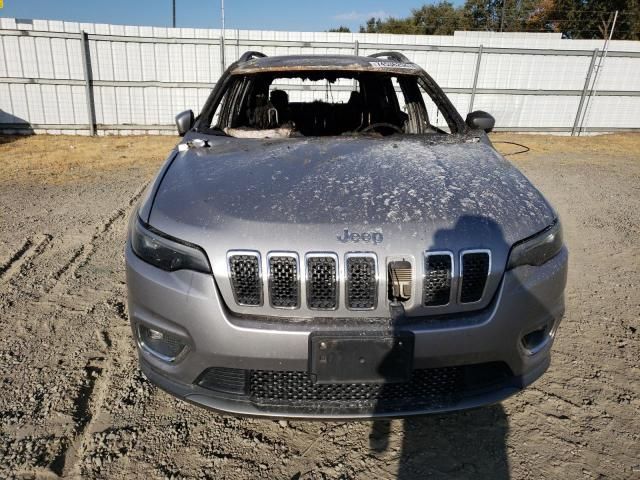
pixel 480 120
pixel 184 121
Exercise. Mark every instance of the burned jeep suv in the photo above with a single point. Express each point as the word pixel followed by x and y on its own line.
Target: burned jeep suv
pixel 330 239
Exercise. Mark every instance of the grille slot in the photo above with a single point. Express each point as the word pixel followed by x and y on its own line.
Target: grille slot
pixel 362 284
pixel 436 286
pixel 400 276
pixel 322 283
pixel 284 282
pixel 246 281
pixel 474 270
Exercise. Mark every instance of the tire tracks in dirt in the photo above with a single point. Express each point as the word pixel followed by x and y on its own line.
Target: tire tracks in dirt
pixel 52 286
pixel 89 401
pixel 55 291
pixel 83 254
pixel 86 408
pixel 25 254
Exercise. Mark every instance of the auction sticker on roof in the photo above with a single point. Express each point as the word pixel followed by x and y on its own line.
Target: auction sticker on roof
pixel 409 66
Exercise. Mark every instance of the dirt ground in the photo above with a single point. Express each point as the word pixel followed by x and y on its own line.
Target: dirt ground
pixel 73 404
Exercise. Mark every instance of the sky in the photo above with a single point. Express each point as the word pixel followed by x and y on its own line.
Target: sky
pixel 300 15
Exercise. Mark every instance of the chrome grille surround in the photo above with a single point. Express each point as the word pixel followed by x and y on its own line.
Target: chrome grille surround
pixel 473 276
pixel 245 274
pixel 283 269
pixel 437 281
pixel 322 281
pixel 361 281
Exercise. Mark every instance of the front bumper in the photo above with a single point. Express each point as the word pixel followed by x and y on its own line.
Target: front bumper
pixel 187 305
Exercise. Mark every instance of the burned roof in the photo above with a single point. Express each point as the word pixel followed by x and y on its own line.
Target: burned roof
pixel 289 63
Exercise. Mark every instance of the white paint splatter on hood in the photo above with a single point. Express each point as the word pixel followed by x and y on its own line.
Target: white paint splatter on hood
pixel 393 182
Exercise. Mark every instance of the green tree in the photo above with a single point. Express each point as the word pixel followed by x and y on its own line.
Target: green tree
pixel 340 29
pixel 390 25
pixel 601 15
pixel 573 18
pixel 371 26
pixel 439 19
pixel 482 14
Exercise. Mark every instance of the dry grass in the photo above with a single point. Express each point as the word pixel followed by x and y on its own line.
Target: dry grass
pixel 606 145
pixel 63 158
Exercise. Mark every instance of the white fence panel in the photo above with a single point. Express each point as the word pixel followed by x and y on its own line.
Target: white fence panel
pixel 142 76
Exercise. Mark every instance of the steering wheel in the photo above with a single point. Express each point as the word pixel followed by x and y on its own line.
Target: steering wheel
pixel 374 126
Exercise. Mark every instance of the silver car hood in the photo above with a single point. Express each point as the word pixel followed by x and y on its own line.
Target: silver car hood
pixel 300 195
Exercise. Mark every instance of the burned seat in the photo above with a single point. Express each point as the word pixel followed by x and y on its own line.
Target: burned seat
pixel 280 101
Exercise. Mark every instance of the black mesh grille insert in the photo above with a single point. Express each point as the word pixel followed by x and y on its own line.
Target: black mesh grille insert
pixel 475 268
pixel 437 385
pixel 245 279
pixel 295 391
pixel 283 281
pixel 322 283
pixel 362 288
pixel 228 380
pixel 290 391
pixel 436 288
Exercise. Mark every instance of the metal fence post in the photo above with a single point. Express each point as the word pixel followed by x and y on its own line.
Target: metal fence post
pixel 356 52
pixel 237 43
pixel 475 79
pixel 222 62
pixel 576 122
pixel 88 82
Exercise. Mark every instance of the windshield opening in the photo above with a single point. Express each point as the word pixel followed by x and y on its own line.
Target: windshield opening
pixel 329 103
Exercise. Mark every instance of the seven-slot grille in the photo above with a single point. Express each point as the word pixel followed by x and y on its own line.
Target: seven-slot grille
pixel 362 284
pixel 474 270
pixel 246 281
pixel 436 286
pixel 284 282
pixel 322 282
pixel 322 279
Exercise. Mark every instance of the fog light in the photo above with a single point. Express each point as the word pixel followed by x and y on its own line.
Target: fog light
pixel 160 343
pixel 535 340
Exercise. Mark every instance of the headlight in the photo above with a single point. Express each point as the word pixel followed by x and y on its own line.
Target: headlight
pixel 166 252
pixel 538 249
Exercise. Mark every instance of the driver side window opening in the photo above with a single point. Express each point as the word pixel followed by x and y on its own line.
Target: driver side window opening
pixel 282 104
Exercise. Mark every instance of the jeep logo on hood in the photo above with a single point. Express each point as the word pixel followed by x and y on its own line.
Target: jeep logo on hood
pixel 366 237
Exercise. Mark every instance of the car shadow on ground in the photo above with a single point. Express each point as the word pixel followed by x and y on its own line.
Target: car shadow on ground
pixel 467 443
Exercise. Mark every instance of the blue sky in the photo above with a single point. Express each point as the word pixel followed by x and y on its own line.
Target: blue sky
pixel 316 15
